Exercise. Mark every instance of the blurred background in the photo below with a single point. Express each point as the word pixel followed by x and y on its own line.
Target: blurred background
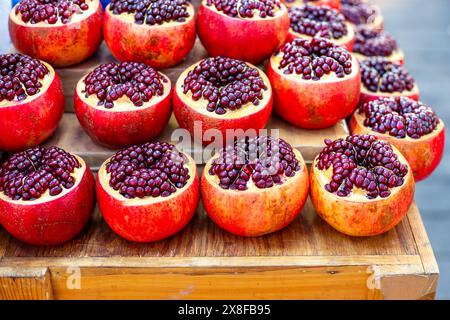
pixel 422 29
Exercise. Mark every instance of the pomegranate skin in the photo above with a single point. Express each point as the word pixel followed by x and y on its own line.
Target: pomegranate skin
pixel 150 222
pixel 187 117
pixel 253 213
pixel 367 96
pixel 423 155
pixel 59 45
pixel 118 129
pixel 249 40
pixel 361 218
pixel 314 104
pixel 53 222
pixel 27 124
pixel 158 46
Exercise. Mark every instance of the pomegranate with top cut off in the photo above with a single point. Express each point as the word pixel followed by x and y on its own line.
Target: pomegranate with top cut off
pixel 46 195
pixel 363 12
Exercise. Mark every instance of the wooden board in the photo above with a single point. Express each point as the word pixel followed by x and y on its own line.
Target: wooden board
pixel 307 260
pixel 71 137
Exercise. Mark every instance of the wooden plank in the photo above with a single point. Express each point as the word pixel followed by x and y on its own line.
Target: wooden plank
pixel 71 137
pixel 216 283
pixel 25 284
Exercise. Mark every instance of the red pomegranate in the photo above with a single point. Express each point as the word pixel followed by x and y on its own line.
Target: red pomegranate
pixel 31 101
pixel 148 192
pixel 409 125
pixel 381 78
pixel 60 32
pixel 363 12
pixel 333 4
pixel 159 33
pixel 46 195
pixel 257 186
pixel 361 186
pixel 121 104
pixel 315 83
pixel 310 21
pixel 242 29
pixel 222 94
pixel 376 43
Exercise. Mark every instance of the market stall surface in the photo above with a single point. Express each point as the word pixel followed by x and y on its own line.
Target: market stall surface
pixel 423 32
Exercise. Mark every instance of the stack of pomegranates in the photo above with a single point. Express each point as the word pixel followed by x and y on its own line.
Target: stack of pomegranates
pixel 255 184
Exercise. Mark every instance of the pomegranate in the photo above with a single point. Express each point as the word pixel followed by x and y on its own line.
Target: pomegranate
pixel 120 104
pixel 159 33
pixel 31 101
pixel 411 126
pixel 382 78
pixel 148 192
pixel 310 21
pixel 46 195
pixel 333 4
pixel 361 186
pixel 315 83
pixel 257 186
pixel 376 43
pixel 362 12
pixel 250 30
pixel 60 32
pixel 222 93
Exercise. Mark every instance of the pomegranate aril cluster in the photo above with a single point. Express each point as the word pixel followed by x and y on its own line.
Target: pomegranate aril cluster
pixel 362 162
pixel 380 74
pixel 315 58
pixel 227 84
pixel 372 43
pixel 318 21
pixel 20 76
pixel 358 11
pixel 399 117
pixel 112 81
pixel 152 12
pixel 263 160
pixel 30 174
pixel 50 11
pixel 246 8
pixel 149 170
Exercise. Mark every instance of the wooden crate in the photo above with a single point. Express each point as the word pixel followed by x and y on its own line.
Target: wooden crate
pixel 307 260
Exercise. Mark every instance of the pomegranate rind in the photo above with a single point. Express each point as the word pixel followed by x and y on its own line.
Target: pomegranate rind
pixel 359 216
pixel 60 45
pixel 314 104
pixel 251 40
pixel 255 212
pixel 160 46
pixel 367 96
pixel 333 4
pixel 347 41
pixel 423 155
pixel 188 115
pixel 119 129
pixel 51 222
pixel 30 122
pixel 149 219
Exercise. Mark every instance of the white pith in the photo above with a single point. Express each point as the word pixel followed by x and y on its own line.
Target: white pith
pixel 326 78
pixel 75 18
pixel 324 177
pixel 277 13
pixel 251 187
pixel 46 197
pixel 341 41
pixel 104 177
pixel 201 104
pixel 129 18
pixel 360 117
pixel 123 103
pixel 46 82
